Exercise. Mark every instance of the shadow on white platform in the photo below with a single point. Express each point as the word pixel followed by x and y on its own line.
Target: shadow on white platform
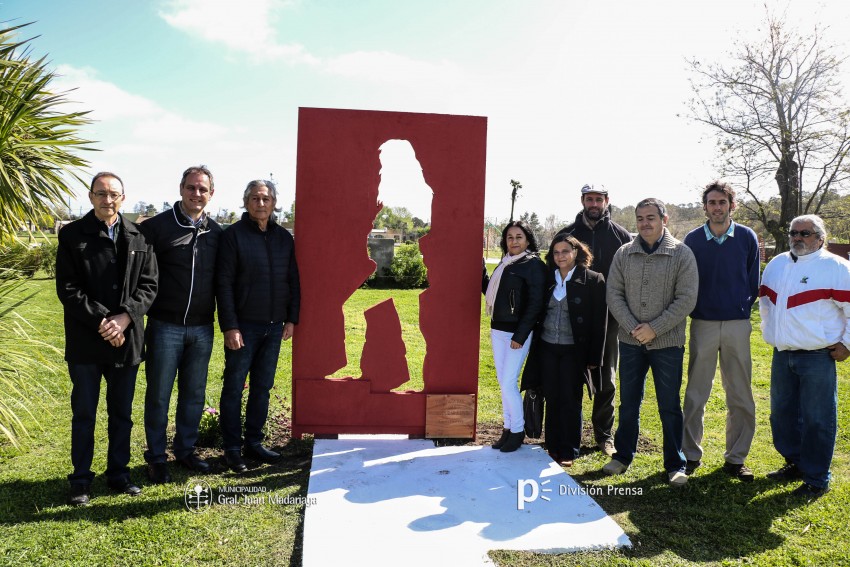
pixel 395 501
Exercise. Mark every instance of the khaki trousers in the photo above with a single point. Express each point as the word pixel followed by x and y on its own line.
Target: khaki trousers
pixel 731 339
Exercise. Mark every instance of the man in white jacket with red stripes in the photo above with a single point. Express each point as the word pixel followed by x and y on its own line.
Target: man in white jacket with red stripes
pixel 804 302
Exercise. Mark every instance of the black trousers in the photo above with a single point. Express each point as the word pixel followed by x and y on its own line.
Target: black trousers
pixel 120 388
pixel 562 383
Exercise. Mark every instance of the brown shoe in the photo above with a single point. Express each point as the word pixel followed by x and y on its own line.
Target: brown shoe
pixel 607 447
pixel 742 472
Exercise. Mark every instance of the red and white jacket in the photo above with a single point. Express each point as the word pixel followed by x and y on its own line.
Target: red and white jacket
pixel 805 301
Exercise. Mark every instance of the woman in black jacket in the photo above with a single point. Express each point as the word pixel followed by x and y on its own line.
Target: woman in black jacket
pixel 514 298
pixel 569 344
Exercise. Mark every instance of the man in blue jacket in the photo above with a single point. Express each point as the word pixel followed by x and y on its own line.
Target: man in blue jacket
pixel 106 279
pixel 594 227
pixel 180 330
pixel 259 297
pixel 727 256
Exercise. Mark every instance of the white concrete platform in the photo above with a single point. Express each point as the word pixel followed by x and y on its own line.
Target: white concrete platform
pixel 395 501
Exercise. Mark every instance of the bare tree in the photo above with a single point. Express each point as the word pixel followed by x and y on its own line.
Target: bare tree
pixel 779 112
pixel 551 225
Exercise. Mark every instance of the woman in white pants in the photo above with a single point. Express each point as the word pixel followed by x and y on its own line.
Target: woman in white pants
pixel 514 300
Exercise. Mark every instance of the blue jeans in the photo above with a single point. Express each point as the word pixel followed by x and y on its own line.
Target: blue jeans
pixel 804 410
pixel 666 365
pixel 184 352
pixel 259 357
pixel 85 394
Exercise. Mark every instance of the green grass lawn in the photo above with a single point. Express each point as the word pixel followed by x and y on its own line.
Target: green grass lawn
pixel 713 521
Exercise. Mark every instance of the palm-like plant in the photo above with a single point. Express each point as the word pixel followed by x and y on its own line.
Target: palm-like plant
pixel 36 166
pixel 22 359
pixel 36 138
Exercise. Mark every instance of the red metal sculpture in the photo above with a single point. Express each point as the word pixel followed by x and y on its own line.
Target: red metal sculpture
pixel 337 201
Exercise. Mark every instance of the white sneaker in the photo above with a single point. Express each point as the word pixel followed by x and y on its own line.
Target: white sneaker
pixel 678 478
pixel 615 467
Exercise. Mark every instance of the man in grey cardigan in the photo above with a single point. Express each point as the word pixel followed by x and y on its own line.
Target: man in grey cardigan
pixel 652 287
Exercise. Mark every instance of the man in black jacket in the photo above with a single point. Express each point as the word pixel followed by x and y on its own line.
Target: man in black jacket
pixel 106 279
pixel 179 335
pixel 594 227
pixel 259 296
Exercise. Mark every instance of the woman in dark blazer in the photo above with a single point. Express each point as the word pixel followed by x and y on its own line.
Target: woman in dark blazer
pixel 569 342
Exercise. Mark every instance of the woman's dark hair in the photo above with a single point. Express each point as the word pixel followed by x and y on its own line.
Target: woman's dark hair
pixel 584 257
pixel 532 242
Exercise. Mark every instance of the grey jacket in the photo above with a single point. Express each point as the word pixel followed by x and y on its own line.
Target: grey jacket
pixel 658 288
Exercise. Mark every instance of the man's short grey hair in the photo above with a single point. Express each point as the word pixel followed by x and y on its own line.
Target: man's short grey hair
pixel 657 203
pixel 816 221
pixel 260 183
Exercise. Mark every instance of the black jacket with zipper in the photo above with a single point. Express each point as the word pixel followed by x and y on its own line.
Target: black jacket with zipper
pixel 257 275
pixel 519 300
pixel 186 256
pixel 97 277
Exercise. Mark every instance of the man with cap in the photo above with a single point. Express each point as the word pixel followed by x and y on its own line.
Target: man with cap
pixel 594 227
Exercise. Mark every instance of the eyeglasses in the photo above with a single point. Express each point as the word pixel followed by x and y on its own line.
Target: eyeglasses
pixel 102 195
pixel 803 233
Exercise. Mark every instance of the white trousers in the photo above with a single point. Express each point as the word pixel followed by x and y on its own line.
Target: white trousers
pixel 508 364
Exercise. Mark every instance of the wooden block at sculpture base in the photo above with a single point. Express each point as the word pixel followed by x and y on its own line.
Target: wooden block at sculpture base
pixel 450 415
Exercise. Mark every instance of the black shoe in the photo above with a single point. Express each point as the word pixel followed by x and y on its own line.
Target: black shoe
pixel 194 463
pixel 260 453
pixel 691 466
pixel 124 486
pixel 809 491
pixel 789 471
pixel 79 495
pixel 742 472
pixel 513 443
pixel 158 473
pixel 498 444
pixel 234 461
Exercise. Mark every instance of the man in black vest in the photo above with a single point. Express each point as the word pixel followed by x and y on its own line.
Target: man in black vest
pixel 106 279
pixel 594 227
pixel 179 336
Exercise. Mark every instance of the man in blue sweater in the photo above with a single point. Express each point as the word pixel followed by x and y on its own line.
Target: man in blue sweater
pixel 727 256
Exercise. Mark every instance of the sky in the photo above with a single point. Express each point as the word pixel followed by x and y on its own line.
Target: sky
pixel 574 92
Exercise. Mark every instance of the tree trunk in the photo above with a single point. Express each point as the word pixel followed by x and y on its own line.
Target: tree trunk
pixel 788 181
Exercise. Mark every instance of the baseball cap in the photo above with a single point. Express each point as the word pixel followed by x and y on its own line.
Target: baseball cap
pixel 588 188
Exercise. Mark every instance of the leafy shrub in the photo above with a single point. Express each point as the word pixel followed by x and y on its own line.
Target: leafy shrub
pixel 407 268
pixel 48 258
pixel 20 258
